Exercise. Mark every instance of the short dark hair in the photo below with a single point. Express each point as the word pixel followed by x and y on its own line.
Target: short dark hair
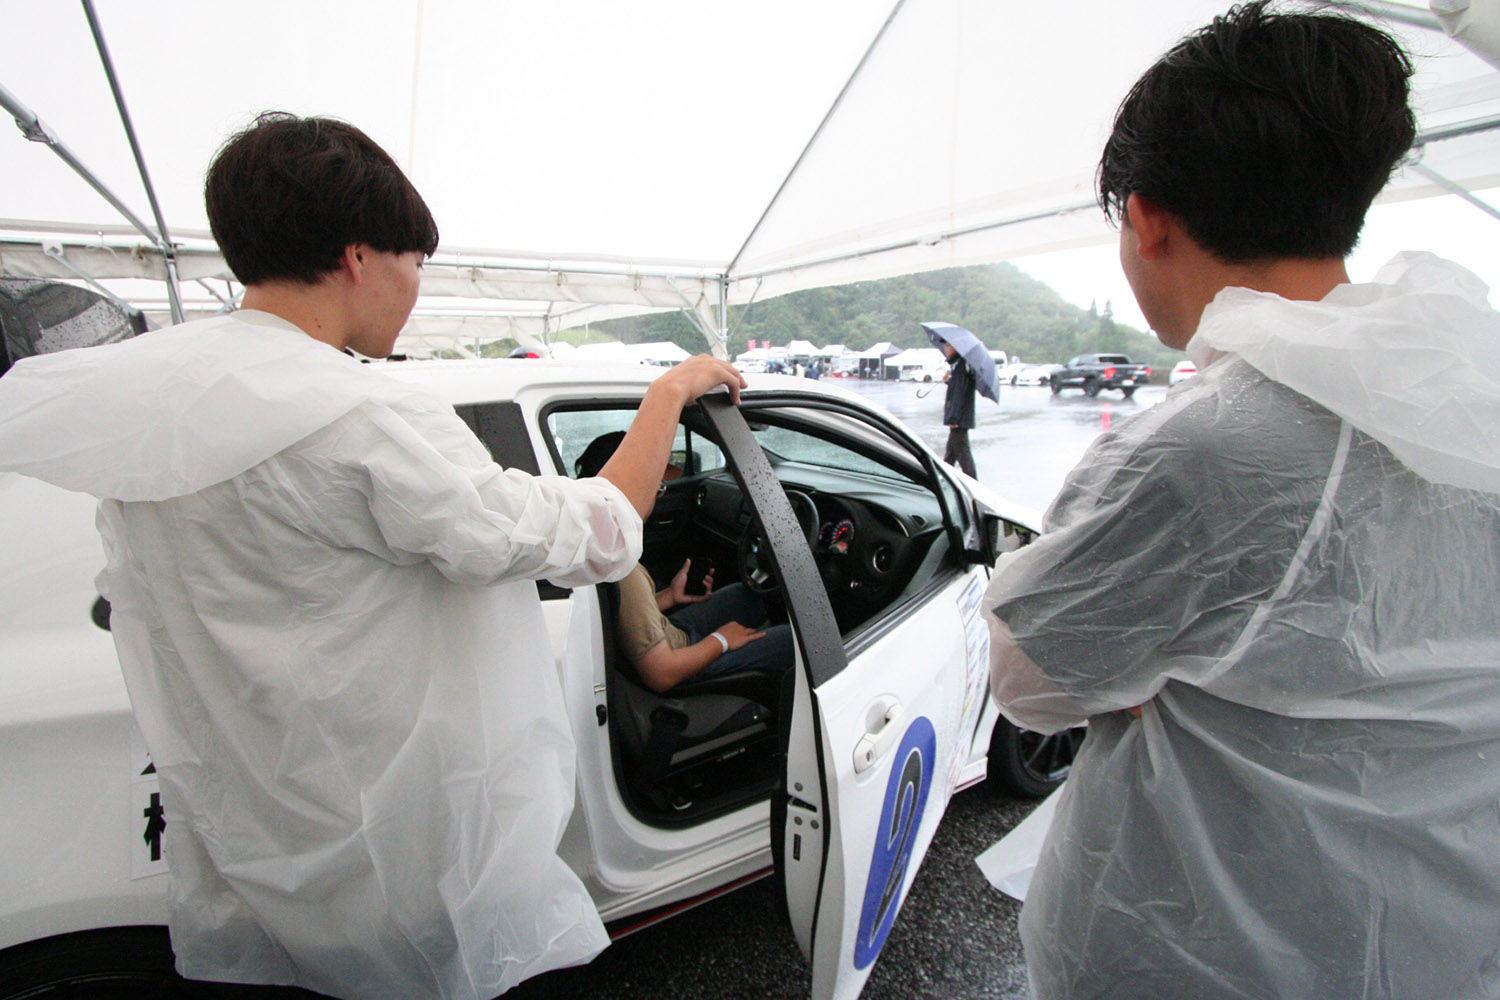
pixel 286 195
pixel 599 451
pixel 1267 134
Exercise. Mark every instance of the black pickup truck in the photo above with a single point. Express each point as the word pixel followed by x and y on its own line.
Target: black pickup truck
pixel 1093 372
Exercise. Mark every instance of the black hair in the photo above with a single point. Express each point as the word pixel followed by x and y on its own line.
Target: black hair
pixel 1267 134
pixel 286 195
pixel 597 453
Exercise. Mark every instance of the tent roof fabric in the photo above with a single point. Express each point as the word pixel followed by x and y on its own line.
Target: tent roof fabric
pixel 605 190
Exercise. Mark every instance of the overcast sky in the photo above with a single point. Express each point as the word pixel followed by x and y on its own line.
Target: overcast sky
pixel 1449 227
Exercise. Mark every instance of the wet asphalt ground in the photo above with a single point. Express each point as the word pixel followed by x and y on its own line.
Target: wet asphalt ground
pixel 955 938
pixel 1023 445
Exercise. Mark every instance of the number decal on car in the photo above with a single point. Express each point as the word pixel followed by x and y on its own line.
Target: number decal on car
pixel 900 816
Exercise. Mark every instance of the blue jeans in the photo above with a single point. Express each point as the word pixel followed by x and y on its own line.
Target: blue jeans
pixel 736 603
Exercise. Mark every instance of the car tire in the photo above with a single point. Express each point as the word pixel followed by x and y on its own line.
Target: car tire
pixel 1056 385
pixel 1091 388
pixel 1128 391
pixel 119 963
pixel 1027 764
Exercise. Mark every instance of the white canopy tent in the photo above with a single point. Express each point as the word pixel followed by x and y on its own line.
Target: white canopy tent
pixel 915 357
pixel 587 159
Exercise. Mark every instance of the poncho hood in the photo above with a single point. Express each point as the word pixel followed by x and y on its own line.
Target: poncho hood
pixel 1409 359
pixel 175 411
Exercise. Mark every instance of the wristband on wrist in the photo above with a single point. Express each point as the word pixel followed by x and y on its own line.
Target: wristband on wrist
pixel 722 642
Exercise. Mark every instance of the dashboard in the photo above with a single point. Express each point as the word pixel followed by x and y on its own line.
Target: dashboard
pixel 870 534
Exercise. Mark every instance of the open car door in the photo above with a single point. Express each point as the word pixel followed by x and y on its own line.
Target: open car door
pixel 875 742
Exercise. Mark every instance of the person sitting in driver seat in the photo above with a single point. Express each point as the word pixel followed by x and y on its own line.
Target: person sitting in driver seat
pixel 671 635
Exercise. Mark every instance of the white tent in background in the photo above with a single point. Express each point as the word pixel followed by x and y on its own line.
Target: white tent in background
pixel 916 357
pixel 692 156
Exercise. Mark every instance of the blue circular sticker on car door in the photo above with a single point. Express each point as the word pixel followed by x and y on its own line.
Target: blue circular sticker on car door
pixel 900 816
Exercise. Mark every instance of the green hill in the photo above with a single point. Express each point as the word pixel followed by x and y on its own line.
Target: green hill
pixel 1006 308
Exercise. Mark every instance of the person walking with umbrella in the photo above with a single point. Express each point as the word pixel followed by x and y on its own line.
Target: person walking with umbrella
pixel 970 366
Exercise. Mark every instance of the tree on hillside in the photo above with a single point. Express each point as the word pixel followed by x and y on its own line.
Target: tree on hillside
pixel 1006 308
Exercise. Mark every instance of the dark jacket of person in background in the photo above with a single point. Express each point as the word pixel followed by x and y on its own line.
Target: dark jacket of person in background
pixel 958 405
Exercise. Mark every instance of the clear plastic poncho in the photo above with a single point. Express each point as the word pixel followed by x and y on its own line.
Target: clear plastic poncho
pixel 324 606
pixel 1292 565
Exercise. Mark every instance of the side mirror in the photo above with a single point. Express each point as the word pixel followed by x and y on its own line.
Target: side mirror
pixel 998 536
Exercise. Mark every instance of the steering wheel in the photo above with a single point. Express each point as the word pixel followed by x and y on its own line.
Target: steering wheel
pixel 757 566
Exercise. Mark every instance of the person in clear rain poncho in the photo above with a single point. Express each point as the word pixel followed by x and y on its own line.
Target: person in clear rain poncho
pixel 1272 597
pixel 324 600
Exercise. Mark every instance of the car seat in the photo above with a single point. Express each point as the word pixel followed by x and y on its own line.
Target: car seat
pixel 680 751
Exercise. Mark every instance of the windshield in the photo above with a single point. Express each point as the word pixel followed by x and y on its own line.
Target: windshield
pixel 785 444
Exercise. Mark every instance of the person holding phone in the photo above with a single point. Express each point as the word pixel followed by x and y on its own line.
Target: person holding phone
pixel 688 629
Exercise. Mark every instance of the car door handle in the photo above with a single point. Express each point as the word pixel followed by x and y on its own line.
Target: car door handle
pixel 873 744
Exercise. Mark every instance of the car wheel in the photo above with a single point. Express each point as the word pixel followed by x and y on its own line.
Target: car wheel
pixel 1091 388
pixel 1028 764
pixel 122 963
pixel 926 378
pixel 1128 391
pixel 1056 385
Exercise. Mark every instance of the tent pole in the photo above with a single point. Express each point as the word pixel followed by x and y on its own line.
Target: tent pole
pixel 832 109
pixel 1400 13
pixel 55 251
pixel 36 130
pixel 721 343
pixel 1486 124
pixel 164 240
pixel 705 326
pixel 1452 187
pixel 748 302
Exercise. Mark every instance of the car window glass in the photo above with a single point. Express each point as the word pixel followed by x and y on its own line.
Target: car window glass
pixel 573 429
pixel 792 445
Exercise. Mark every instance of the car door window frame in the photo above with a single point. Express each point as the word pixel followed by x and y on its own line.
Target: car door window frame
pixel 624 404
pixel 955 519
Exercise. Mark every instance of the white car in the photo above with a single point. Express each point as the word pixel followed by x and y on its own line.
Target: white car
pixel 1181 370
pixel 806 492
pixel 1033 374
pixel 925 373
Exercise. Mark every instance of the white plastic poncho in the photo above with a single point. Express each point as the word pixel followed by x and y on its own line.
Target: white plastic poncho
pixel 325 610
pixel 1302 596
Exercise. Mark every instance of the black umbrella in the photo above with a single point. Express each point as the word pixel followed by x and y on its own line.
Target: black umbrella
pixel 971 350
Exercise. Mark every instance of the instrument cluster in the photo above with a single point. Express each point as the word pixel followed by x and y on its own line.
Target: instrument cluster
pixel 837 535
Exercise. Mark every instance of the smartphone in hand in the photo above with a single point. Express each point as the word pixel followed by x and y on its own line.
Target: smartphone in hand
pixel 698 568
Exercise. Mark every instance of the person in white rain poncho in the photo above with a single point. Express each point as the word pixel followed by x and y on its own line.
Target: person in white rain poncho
pixel 1272 597
pixel 324 601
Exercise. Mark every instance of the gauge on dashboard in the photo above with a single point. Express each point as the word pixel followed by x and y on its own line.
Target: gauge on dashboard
pixel 836 535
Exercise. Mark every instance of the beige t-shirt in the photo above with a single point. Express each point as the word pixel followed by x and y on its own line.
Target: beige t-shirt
pixel 641 624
